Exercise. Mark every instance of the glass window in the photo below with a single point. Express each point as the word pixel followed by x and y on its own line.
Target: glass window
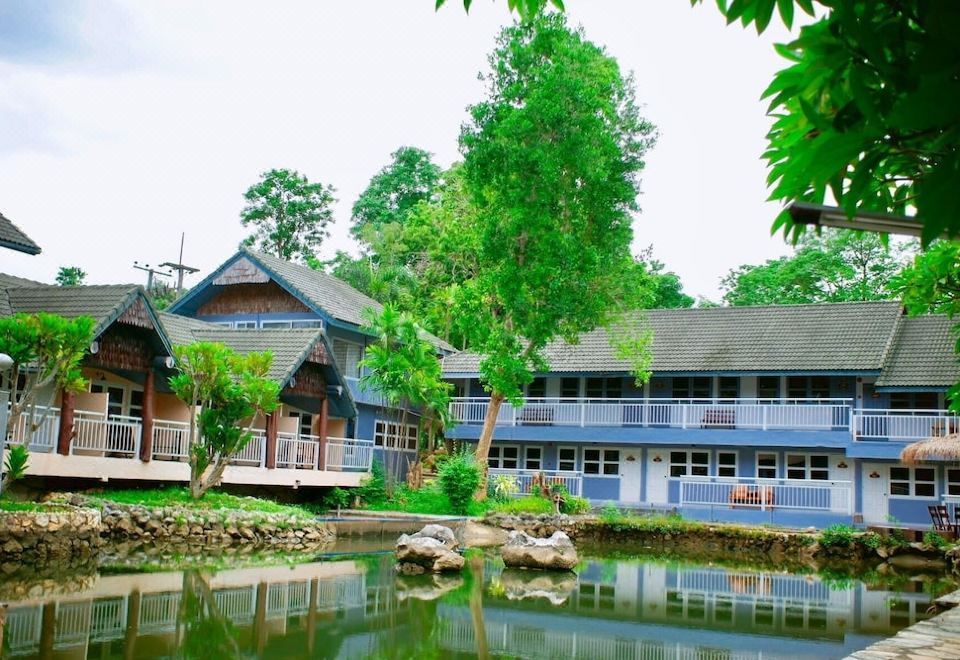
pixel 917 482
pixel 391 435
pixel 601 461
pixel 347 356
pixel 569 388
pixel 537 389
pixel 729 387
pixel 804 466
pixel 768 387
pixel 797 387
pixel 504 457
pixel 924 482
pixel 245 325
pixel 694 463
pixel 702 387
pixel 820 387
pixel 591 461
pixel 567 459
pixel 767 466
pixel 726 464
pixel 953 481
pixel 532 458
pixel 614 388
pixel 136 403
pixel 275 325
pixel 681 388
pixel 594 388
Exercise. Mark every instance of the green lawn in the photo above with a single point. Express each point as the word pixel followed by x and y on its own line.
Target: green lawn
pixel 212 501
pixel 9 505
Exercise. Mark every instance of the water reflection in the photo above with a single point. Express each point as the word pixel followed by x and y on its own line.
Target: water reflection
pixel 358 608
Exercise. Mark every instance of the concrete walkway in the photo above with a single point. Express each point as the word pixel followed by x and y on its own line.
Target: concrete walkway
pixel 938 637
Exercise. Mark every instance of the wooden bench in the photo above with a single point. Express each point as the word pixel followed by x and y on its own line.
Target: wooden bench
pixel 752 495
pixel 536 415
pixel 719 418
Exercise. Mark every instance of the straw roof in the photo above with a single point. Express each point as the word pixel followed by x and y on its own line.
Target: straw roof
pixel 942 448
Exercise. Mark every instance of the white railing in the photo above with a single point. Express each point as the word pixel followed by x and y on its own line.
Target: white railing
pixel 904 424
pixel 108 619
pixel 299 453
pixel 767 494
pixel 349 454
pixel 115 435
pixel 47 422
pixel 73 625
pixel 340 592
pixel 171 440
pixel 253 453
pixel 238 605
pixel 158 612
pixel 817 414
pixel 745 585
pixel 573 481
pixel 23 629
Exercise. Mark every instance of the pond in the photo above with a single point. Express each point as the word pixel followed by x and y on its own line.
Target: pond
pixel 355 606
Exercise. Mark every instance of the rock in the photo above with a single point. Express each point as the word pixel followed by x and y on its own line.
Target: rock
pixel 525 551
pixel 426 552
pixel 525 585
pixel 477 535
pixel 428 587
pixel 443 534
pixel 912 562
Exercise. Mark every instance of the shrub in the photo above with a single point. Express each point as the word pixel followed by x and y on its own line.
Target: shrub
pixel 459 478
pixel 529 504
pixel 837 536
pixel 504 486
pixel 337 499
pixel 872 540
pixel 573 505
pixel 610 514
pixel 935 540
pixel 373 488
pixel 16 463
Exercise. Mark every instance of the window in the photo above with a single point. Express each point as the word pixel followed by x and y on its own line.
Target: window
pixel 726 464
pixel 537 389
pixel 304 423
pixel 916 482
pixel 504 456
pixel 532 458
pixel 567 459
pixel 601 461
pixel 136 403
pixel 391 435
pixel 797 387
pixel 914 401
pixel 275 325
pixel 283 325
pixel 604 388
pixel 729 387
pixel 245 325
pixel 700 387
pixel 347 356
pixel 693 463
pixel 115 398
pixel 767 466
pixel 768 387
pixel 953 481
pixel 808 387
pixel 569 388
pixel 808 466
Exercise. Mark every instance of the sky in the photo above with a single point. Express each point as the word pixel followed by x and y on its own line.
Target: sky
pixel 124 124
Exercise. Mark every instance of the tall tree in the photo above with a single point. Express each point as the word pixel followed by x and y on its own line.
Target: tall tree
pixel 836 266
pixel 666 287
pixel 288 213
pixel 552 158
pixel 70 276
pixel 394 191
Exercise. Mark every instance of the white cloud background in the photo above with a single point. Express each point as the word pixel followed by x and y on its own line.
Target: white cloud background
pixel 122 125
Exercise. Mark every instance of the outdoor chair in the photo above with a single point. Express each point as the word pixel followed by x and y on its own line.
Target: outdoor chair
pixel 942 523
pixel 719 418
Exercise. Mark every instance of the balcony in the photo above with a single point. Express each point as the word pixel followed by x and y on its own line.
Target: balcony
pixel 903 425
pixel 812 496
pixel 523 480
pixel 756 414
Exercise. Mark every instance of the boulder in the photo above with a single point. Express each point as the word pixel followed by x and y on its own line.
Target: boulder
pixel 555 587
pixel 427 587
pixel 524 551
pixel 431 549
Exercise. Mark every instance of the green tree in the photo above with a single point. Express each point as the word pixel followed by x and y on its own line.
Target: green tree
pixel 403 368
pixel 552 158
pixel 70 276
pixel 47 352
pixel 288 213
pixel 835 266
pixel 230 391
pixel 666 287
pixel 394 191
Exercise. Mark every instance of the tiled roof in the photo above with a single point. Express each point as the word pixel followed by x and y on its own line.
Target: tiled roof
pixel 825 337
pixel 12 237
pixel 923 354
pixel 12 280
pixel 102 302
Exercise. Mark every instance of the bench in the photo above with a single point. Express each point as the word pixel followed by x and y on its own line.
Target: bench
pixel 536 415
pixel 752 495
pixel 719 418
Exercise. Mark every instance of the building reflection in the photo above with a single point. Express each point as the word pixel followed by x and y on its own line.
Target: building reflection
pixel 352 608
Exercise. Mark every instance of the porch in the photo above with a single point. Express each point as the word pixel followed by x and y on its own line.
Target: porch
pixel 903 425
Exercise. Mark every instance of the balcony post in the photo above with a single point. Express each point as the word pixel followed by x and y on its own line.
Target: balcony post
pixel 763 415
pixel 322 434
pixel 583 413
pixel 146 428
pixel 683 415
pixel 67 403
pixel 270 443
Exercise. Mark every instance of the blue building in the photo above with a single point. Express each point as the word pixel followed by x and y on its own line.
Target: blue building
pixel 252 290
pixel 793 415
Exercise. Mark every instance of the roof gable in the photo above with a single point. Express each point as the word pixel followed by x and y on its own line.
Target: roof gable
pixel 922 354
pixel 13 238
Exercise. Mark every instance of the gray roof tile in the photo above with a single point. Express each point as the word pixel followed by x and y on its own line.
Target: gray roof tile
pixel 12 237
pixel 102 302
pixel 923 354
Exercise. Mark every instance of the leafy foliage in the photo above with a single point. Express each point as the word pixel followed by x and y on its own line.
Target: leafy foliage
pixel 525 8
pixel 459 479
pixel 666 289
pixel 231 391
pixel 47 352
pixel 837 535
pixel 16 464
pixel 534 504
pixel 288 213
pixel 373 488
pixel 70 276
pixel 835 266
pixel 504 487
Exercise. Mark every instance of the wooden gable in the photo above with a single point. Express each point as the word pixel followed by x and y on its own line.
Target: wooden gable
pixel 250 298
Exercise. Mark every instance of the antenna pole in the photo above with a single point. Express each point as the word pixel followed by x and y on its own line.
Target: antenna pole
pixel 180 267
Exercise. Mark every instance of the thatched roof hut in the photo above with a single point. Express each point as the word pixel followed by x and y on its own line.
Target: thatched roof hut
pixel 943 448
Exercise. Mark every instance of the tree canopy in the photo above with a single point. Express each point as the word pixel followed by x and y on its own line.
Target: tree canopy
pixel 666 287
pixel 835 266
pixel 289 214
pixel 70 276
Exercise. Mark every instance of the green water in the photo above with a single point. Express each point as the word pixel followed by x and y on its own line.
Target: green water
pixel 355 606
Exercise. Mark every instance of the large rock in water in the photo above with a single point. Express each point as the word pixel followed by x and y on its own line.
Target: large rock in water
pixel 525 551
pixel 432 549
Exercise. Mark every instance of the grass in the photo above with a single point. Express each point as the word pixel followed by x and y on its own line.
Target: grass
pixel 528 504
pixel 427 500
pixel 212 501
pixel 11 506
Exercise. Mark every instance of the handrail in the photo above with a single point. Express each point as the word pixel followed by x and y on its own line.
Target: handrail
pixel 652 400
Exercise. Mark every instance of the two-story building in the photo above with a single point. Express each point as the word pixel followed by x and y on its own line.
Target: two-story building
pixel 787 414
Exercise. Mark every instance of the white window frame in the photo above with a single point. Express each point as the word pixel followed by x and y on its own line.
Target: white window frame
pixel 807 468
pixel 344 362
pixel 911 482
pixel 245 325
pixel 527 459
pixel 576 455
pixel 602 462
pixel 287 324
pixel 952 486
pixel 688 463
pixel 735 466
pixel 388 435
pixel 126 407
pixel 496 461
pixel 775 467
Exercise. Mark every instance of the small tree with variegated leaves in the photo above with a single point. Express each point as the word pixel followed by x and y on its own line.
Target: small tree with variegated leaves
pixel 226 393
pixel 47 351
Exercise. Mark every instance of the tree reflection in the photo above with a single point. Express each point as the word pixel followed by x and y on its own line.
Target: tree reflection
pixel 203 630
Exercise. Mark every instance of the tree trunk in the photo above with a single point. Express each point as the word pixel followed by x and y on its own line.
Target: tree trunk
pixel 486 439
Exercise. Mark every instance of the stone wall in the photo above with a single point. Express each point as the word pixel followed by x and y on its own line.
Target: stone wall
pixel 58 533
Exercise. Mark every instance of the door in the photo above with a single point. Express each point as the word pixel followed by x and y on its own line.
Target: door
pixel 658 465
pixel 875 492
pixel 631 467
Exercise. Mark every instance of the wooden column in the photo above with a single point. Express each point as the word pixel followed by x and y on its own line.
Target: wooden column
pixel 312 615
pixel 260 619
pixel 146 429
pixel 322 434
pixel 273 424
pixel 67 404
pixel 48 629
pixel 133 624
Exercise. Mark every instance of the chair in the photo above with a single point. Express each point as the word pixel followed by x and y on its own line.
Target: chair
pixel 942 523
